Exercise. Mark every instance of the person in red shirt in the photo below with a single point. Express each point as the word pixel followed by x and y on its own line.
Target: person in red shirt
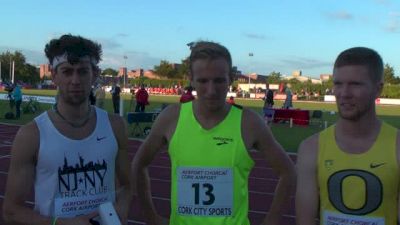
pixel 187 96
pixel 231 100
pixel 142 99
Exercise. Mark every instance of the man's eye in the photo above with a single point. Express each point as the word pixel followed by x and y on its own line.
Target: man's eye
pixel 83 71
pixel 66 72
pixel 202 81
pixel 219 80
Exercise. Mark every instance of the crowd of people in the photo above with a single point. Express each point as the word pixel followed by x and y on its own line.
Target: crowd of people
pixel 76 154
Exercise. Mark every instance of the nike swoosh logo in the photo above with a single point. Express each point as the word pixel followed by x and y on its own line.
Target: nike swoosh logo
pixel 100 138
pixel 373 165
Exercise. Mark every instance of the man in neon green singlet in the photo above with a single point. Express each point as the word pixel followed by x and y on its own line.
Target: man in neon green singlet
pixel 350 171
pixel 208 142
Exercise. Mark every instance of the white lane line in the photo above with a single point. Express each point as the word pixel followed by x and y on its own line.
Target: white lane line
pixel 5 156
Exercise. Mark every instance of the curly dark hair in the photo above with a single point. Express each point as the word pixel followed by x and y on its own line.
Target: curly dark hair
pixel 209 50
pixel 75 47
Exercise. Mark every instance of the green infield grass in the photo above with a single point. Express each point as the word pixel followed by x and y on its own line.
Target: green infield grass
pixel 289 137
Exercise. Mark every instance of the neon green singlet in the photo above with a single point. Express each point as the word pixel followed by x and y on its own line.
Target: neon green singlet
pixel 359 188
pixel 210 170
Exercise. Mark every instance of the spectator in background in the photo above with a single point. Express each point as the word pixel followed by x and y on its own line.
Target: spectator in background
pixel 231 100
pixel 288 101
pixel 269 97
pixel 187 96
pixel 100 95
pixel 9 88
pixel 115 93
pixel 142 99
pixel 17 96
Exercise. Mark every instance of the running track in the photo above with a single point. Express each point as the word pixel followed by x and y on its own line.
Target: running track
pixel 262 182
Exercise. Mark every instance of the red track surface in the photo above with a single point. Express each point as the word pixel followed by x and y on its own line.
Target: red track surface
pixel 262 182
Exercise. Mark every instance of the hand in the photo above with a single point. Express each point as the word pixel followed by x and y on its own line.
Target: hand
pixel 79 220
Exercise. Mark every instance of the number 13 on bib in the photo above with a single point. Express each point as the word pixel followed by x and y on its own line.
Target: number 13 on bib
pixel 205 191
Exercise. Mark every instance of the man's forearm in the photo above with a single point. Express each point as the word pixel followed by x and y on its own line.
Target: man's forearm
pixel 123 202
pixel 144 193
pixel 283 192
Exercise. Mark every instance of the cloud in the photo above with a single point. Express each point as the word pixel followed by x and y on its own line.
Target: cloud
pixel 340 15
pixel 382 2
pixel 393 25
pixel 134 60
pixel 108 43
pixel 255 36
pixel 304 63
pixel 32 56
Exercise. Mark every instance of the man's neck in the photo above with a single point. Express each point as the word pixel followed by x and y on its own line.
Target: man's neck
pixel 209 118
pixel 73 112
pixel 363 127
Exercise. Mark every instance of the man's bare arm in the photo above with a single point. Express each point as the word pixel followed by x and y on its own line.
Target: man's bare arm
pixel 124 189
pixel 160 133
pixel 307 192
pixel 398 162
pixel 21 178
pixel 260 137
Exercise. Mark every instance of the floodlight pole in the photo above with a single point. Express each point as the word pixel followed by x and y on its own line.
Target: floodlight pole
pixel 250 55
pixel 125 71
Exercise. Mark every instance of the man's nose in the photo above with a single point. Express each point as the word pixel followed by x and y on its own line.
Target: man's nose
pixel 75 79
pixel 211 88
pixel 346 91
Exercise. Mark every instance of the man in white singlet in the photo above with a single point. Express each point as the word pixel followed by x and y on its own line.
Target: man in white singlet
pixel 74 155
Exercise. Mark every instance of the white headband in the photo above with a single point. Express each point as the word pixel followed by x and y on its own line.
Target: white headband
pixel 64 58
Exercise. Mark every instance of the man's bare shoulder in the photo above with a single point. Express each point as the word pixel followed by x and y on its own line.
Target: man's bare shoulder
pixel 29 131
pixel 171 112
pixel 309 146
pixel 168 118
pixel 116 121
pixel 164 126
pixel 27 140
pixel 252 118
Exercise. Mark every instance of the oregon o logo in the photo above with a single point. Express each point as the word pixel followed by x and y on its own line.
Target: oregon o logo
pixel 373 191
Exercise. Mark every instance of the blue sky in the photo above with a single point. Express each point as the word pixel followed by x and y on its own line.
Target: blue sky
pixel 283 35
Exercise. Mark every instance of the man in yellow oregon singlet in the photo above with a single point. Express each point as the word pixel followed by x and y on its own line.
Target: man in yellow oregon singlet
pixel 349 173
pixel 208 142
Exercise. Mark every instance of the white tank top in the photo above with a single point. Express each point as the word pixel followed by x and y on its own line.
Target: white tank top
pixel 73 177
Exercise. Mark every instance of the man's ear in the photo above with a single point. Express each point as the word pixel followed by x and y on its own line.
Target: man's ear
pixel 379 87
pixel 53 72
pixel 96 74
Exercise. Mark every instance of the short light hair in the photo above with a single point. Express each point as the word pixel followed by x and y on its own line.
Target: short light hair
pixel 362 56
pixel 209 51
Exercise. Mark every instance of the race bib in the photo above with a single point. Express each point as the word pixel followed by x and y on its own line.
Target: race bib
pixel 204 191
pixel 331 218
pixel 70 207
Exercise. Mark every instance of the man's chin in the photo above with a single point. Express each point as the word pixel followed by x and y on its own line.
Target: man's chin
pixel 349 116
pixel 75 101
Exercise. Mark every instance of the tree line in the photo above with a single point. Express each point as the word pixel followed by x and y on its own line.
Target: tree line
pixel 173 74
pixel 23 71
